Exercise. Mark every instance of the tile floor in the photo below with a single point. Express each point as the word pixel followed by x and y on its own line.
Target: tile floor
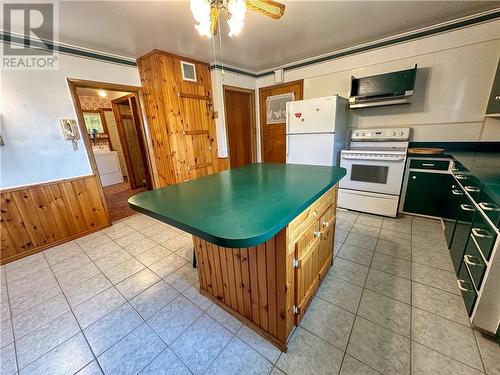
pixel 125 301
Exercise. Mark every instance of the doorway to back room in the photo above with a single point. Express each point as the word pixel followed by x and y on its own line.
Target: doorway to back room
pixel 114 130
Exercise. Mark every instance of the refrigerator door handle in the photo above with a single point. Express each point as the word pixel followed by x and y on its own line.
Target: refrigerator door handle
pixel 286 144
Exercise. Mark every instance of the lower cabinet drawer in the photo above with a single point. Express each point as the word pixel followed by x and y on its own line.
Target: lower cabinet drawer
pixel 484 234
pixel 467 288
pixel 309 239
pixel 441 165
pixel 474 262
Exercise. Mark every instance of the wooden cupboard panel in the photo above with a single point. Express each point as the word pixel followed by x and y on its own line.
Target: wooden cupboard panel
pixel 253 283
pixel 36 217
pixel 180 118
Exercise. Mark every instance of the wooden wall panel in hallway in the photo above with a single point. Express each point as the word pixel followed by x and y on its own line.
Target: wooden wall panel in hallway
pixel 239 110
pixel 180 117
pixel 39 216
pixel 273 139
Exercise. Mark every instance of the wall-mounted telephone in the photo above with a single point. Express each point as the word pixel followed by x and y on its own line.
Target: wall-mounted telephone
pixel 70 131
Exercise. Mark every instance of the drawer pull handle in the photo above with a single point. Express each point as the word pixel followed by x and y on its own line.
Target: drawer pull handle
pixel 480 233
pixel 325 224
pixel 428 164
pixel 461 177
pixel 457 192
pixel 472 261
pixel 489 206
pixel 472 189
pixel 317 234
pixel 467 207
pixel 463 289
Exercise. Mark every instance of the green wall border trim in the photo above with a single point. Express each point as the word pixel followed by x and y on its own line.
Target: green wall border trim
pixel 75 51
pixel 385 43
pixel 58 48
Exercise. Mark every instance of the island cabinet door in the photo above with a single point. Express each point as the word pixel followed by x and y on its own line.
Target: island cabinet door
pixel 307 251
pixel 314 251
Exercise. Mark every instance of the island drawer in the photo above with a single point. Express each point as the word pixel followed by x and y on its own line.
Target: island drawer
pixel 313 213
pixel 441 165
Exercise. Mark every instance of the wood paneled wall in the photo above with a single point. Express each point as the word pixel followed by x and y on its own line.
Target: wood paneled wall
pixel 39 216
pixel 180 118
pixel 252 282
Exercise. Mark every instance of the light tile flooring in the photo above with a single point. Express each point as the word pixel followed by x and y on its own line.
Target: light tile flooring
pixel 125 301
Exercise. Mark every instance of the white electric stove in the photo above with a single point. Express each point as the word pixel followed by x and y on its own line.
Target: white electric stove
pixel 375 163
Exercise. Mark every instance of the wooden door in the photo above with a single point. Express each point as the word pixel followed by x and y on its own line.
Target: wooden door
pixel 132 141
pixel 195 139
pixel 273 140
pixel 239 108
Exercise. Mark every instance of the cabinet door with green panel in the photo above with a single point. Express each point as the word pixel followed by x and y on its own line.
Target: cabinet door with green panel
pixel 427 193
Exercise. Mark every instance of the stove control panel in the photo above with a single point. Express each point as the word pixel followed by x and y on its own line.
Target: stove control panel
pixel 386 134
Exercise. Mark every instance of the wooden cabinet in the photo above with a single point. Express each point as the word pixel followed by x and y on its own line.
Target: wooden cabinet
pixel 270 286
pixel 313 257
pixel 493 108
pixel 180 118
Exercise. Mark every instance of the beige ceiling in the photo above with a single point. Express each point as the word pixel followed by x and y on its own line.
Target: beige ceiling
pixel 308 28
pixel 111 95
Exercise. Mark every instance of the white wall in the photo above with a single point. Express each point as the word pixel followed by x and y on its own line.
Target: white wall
pixel 33 102
pixel 220 79
pixel 456 71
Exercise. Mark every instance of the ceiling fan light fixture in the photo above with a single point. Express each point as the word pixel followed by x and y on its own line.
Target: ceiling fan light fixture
pixel 201 13
pixel 236 17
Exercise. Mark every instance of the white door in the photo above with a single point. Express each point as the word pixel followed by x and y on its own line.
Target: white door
pixel 310 149
pixel 311 116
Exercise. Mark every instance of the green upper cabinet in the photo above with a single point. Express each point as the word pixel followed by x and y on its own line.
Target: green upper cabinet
pixel 493 108
pixel 428 194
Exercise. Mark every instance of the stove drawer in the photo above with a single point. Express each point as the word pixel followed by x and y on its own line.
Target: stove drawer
pixel 441 165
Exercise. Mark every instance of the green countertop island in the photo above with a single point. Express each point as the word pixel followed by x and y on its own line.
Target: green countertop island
pixel 263 238
pixel 240 207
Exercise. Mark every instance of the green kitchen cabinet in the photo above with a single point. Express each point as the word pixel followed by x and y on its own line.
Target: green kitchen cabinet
pixel 493 108
pixel 462 232
pixel 455 196
pixel 467 288
pixel 428 194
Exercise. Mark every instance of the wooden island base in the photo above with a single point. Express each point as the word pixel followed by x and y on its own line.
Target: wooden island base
pixel 270 286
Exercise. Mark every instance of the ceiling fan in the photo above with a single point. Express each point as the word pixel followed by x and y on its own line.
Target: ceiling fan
pixel 207 12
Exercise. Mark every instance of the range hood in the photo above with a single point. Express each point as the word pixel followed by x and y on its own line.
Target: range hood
pixel 383 89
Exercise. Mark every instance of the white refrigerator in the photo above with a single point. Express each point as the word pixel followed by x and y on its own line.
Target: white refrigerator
pixel 316 130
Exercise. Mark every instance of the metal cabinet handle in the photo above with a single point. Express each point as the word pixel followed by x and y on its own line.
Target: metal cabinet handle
pixel 457 192
pixel 428 164
pixel 471 261
pixel 472 189
pixel 480 233
pixel 467 207
pixel 317 234
pixel 489 206
pixel 460 281
pixel 325 224
pixel 461 177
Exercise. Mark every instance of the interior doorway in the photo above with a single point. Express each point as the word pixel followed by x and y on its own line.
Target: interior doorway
pixel 239 109
pixel 111 124
pixel 272 132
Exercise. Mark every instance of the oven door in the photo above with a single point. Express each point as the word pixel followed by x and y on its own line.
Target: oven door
pixel 380 174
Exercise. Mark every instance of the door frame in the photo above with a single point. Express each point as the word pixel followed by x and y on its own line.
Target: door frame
pixel 253 130
pixel 262 113
pixel 129 99
pixel 73 84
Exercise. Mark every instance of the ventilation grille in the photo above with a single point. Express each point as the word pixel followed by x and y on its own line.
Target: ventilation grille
pixel 188 71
